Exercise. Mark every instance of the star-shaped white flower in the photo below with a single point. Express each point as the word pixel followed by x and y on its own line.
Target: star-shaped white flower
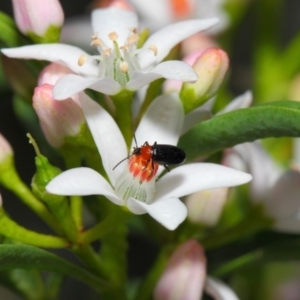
pixel 119 64
pixel 162 123
pixel 277 189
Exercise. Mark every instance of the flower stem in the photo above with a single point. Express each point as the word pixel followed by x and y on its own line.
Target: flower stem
pixel 12 230
pixel 104 227
pixel 123 103
pixel 11 180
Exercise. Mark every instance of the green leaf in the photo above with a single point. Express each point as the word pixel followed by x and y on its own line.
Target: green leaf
pixel 277 119
pixel 10 35
pixel 28 257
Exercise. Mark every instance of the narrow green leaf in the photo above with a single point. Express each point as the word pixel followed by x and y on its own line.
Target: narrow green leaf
pixel 28 257
pixel 277 119
pixel 10 35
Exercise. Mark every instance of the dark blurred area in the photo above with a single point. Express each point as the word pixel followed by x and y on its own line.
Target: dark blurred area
pixel 141 253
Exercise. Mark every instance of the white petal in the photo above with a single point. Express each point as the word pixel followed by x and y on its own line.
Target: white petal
pixel 242 101
pixel 255 156
pixel 72 84
pixel 283 202
pixel 107 136
pixel 190 178
pixel 63 54
pixel 162 121
pixel 82 181
pixel 168 37
pixel 219 290
pixel 170 212
pixel 172 69
pixel 106 21
pixel 195 117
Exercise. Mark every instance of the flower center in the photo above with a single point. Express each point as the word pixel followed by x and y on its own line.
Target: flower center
pixel 139 182
pixel 118 62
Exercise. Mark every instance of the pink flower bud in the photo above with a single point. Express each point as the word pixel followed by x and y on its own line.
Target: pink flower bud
pixel 36 16
pixel 5 149
pixel 58 119
pixel 211 67
pixel 205 207
pixel 52 72
pixel 184 275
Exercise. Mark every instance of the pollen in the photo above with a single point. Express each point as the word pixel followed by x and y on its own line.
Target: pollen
pixel 113 36
pixel 82 59
pixel 154 49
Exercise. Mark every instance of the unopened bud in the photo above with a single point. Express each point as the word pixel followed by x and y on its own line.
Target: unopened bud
pixel 6 151
pixel 40 20
pixel 52 72
pixel 58 119
pixel 205 207
pixel 211 67
pixel 185 274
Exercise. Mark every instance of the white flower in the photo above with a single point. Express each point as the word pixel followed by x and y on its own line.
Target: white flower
pixel 278 190
pixel 119 63
pixel 156 13
pixel 162 122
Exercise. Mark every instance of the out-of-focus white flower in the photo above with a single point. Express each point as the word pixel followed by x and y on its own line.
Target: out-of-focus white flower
pixel 162 122
pixel 35 16
pixel 119 64
pixel 157 13
pixel 278 190
pixel 205 207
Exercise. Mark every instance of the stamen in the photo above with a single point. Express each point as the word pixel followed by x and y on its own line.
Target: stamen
pixel 82 59
pixel 133 30
pixel 113 36
pixel 132 38
pixel 154 49
pixel 107 52
pixel 96 42
pixel 94 36
pixel 125 47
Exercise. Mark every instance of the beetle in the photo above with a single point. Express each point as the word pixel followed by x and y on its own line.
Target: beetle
pixel 161 154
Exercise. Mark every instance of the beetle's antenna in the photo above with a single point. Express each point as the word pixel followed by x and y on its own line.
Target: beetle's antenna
pixel 122 161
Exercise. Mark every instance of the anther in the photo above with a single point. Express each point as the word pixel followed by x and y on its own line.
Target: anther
pixel 113 36
pixel 82 59
pixel 154 49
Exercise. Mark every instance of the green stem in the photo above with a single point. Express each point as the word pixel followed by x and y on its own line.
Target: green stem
pixel 90 258
pixel 123 103
pixel 105 227
pixel 152 92
pixel 11 180
pixel 251 224
pixel 241 261
pixel 146 290
pixel 73 160
pixel 12 230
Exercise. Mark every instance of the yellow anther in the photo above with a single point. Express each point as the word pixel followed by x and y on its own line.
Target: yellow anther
pixel 113 36
pixel 96 42
pixel 132 38
pixel 82 59
pixel 107 52
pixel 154 49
